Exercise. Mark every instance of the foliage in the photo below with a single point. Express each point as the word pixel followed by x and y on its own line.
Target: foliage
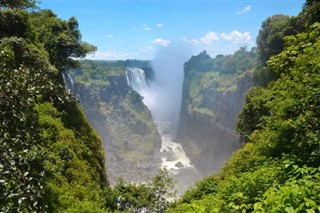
pixel 136 63
pixel 277 170
pixel 153 196
pixel 296 195
pixel 254 112
pixel 270 39
pixel 204 187
pixel 291 100
pixel 24 80
pixel 19 4
pixel 61 39
pixel 239 62
pixel 205 75
pixel 98 72
pixel 15 23
pixel 50 158
pixel 73 161
pixel 311 12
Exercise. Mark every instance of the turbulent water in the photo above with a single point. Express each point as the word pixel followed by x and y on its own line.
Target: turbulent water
pixel 172 154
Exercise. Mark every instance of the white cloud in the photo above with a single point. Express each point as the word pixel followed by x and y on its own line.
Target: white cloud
pixel 206 39
pixel 237 37
pixel 160 25
pixel 225 36
pixel 161 42
pixel 209 37
pixel 112 55
pixel 146 28
pixel 110 36
pixel 244 10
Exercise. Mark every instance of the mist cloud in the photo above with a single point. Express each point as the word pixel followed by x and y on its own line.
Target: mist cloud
pixel 163 98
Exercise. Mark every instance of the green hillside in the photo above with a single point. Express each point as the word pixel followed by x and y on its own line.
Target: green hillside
pixel 278 167
pixel 51 160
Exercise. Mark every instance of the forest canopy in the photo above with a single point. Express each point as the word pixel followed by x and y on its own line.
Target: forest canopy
pixel 49 152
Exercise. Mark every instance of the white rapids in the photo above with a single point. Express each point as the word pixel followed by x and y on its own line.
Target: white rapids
pixel 172 154
pixel 175 160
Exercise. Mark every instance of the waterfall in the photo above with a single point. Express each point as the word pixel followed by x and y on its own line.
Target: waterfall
pixel 158 99
pixel 136 78
pixel 68 80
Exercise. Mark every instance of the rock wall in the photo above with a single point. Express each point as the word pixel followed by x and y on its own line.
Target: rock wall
pixel 124 123
pixel 209 138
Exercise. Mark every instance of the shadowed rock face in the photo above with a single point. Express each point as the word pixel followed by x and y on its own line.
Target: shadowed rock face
pixel 124 123
pixel 210 140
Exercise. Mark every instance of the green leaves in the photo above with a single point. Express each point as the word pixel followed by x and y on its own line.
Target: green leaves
pixel 18 4
pixel 153 196
pixel 61 39
pixel 270 39
pixel 293 196
pixel 27 79
pixel 277 170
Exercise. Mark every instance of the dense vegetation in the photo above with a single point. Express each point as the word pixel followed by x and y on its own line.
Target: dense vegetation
pixel 205 75
pixel 278 168
pixel 51 160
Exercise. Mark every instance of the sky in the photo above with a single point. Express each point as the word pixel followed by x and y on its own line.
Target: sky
pixel 140 29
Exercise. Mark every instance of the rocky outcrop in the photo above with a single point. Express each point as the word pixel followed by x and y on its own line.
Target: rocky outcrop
pixel 207 127
pixel 124 123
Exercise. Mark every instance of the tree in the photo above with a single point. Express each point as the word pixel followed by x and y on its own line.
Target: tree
pixel 270 38
pixel 27 79
pixel 18 4
pixel 311 11
pixel 15 23
pixel 201 63
pixel 254 112
pixel 23 81
pixel 61 39
pixel 162 187
pixel 153 196
pixel 229 65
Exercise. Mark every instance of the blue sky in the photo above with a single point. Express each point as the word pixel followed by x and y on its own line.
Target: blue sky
pixel 140 29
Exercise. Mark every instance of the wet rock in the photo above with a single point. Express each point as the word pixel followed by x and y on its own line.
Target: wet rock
pixel 179 164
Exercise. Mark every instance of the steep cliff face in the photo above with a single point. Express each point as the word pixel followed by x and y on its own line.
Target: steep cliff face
pixel 210 106
pixel 131 140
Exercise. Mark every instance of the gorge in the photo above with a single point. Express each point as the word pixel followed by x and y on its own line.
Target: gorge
pixel 135 108
pixel 92 136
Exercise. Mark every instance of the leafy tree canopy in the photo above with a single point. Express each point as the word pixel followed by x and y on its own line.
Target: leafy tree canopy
pixel 18 4
pixel 153 196
pixel 270 38
pixel 61 39
pixel 48 150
